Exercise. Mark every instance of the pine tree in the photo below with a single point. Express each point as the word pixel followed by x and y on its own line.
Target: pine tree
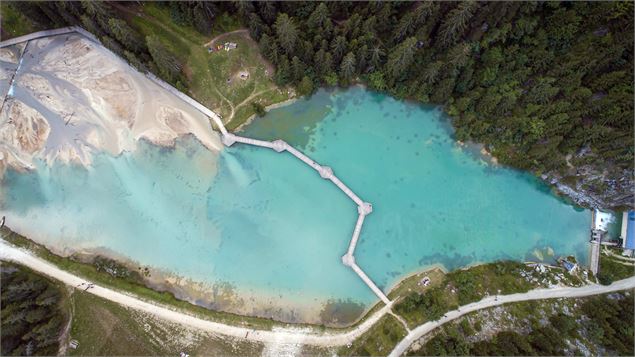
pixel 376 57
pixel 269 11
pixel 112 45
pixel 67 11
pixel 126 35
pixel 268 48
pixel 459 55
pixel 424 11
pixel 297 68
pixel 306 51
pixel 319 61
pixel 319 19
pixel 362 56
pixel 328 64
pixel 368 28
pixel 245 9
pixel 286 33
pixel 352 27
pixel 456 22
pixel 404 28
pixel 306 86
pixel 401 58
pixel 256 26
pixel 51 12
pixel 202 17
pixel 347 67
pixel 99 11
pixel 91 26
pixel 339 47
pixel 134 61
pixel 283 72
pixel 167 63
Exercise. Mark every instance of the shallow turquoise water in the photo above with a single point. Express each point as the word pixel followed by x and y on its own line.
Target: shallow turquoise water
pixel 266 223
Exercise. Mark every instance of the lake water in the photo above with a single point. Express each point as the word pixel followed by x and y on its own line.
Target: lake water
pixel 269 227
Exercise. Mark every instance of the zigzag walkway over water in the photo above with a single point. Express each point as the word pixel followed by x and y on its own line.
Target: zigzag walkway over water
pixel 363 208
pixel 9 252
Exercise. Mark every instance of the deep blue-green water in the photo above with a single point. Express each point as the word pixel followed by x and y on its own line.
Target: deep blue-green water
pixel 267 224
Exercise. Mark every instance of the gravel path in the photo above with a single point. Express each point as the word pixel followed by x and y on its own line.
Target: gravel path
pixel 537 294
pixel 301 336
pixel 213 41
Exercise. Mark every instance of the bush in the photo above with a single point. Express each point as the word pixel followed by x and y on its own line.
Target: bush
pixel 432 304
pixel 611 271
pixel 306 86
pixel 259 109
pixel 331 79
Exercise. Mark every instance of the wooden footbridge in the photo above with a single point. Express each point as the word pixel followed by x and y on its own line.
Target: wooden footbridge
pixel 363 208
pixel 228 139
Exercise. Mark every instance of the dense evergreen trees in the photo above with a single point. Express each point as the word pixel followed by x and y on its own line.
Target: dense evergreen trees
pixel 547 86
pixel 169 66
pixel 605 321
pixel 32 315
pixel 198 14
pixel 104 21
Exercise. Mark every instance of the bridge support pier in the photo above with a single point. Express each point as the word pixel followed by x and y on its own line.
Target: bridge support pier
pixel 228 139
pixel 279 145
pixel 365 208
pixel 348 260
pixel 326 172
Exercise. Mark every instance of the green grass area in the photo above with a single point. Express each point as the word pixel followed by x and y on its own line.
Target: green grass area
pixel 464 286
pixel 413 283
pixel 378 341
pixel 104 328
pixel 13 23
pixel 612 269
pixel 213 78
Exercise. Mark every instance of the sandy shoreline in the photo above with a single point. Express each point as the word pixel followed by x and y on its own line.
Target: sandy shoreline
pixel 282 306
pixel 225 297
pixel 71 98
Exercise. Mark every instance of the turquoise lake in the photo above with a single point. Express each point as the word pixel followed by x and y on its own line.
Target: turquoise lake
pixel 268 226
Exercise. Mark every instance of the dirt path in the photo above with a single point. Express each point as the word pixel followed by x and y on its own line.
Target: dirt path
pixel 244 102
pixel 64 336
pixel 139 12
pixel 252 96
pixel 290 335
pixel 245 33
pixel 287 335
pixel 624 260
pixel 537 294
pixel 400 319
pixel 231 106
pixel 212 41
